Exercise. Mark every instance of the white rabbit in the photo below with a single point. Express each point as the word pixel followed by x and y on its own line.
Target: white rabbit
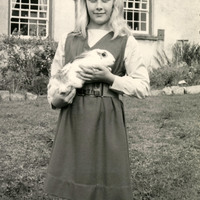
pixel 66 79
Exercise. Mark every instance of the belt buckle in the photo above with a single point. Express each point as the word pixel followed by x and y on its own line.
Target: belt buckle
pixel 87 91
pixel 98 90
pixel 81 92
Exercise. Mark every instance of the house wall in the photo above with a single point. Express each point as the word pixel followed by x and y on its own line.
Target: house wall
pixel 63 15
pixel 179 18
pixel 4 16
pixel 148 50
pixel 181 21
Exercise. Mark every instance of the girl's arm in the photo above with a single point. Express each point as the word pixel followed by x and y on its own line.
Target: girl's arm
pixel 136 82
pixel 58 61
pixel 58 101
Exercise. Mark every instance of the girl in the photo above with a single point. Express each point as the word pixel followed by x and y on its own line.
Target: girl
pixel 90 159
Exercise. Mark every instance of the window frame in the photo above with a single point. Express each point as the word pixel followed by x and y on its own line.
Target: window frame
pixel 148 12
pixel 47 19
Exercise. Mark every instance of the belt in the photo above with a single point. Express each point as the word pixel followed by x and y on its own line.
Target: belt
pixel 96 90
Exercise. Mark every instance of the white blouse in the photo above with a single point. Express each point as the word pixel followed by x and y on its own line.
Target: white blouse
pixel 134 83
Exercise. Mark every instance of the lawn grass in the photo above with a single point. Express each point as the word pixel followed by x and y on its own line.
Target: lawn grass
pixel 164 143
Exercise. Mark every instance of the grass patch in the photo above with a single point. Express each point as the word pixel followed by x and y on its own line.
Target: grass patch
pixel 164 143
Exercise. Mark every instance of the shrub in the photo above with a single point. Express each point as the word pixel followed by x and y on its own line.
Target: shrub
pixel 27 63
pixel 165 76
pixel 193 75
pixel 186 52
pixel 184 65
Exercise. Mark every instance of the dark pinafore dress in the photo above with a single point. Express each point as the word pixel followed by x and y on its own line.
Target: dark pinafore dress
pixel 90 159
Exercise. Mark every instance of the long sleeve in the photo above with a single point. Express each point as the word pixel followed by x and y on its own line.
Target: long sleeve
pixel 57 64
pixel 59 57
pixel 136 81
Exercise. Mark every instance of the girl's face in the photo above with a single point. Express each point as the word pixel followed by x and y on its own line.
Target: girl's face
pixel 99 12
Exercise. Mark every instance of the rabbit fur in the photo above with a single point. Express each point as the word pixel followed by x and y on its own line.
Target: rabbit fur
pixel 66 79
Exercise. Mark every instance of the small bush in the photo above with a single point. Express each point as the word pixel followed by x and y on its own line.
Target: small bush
pixel 193 75
pixel 184 65
pixel 186 52
pixel 27 65
pixel 163 76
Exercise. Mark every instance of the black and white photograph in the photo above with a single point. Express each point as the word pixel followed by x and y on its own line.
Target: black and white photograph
pixel 99 100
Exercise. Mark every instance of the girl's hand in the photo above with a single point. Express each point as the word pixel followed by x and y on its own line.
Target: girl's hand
pixel 96 74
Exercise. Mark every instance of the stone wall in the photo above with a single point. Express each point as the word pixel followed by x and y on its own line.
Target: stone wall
pixel 176 90
pixel 7 96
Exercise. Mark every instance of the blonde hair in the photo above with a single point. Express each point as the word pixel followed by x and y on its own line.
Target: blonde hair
pixel 116 23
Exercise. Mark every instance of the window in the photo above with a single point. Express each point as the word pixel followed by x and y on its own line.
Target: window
pixel 29 17
pixel 137 15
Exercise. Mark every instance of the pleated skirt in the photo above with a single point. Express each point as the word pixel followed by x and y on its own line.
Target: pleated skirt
pixel 90 159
